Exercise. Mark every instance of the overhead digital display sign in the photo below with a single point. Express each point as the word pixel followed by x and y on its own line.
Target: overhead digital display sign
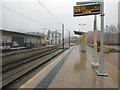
pixel 83 10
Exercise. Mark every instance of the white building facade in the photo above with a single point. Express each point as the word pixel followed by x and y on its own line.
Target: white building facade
pixel 54 37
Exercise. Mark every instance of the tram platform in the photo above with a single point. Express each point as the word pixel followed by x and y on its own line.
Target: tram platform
pixel 72 69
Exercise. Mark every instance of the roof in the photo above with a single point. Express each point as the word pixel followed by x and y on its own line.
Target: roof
pixel 78 32
pixel 54 32
pixel 18 33
pixel 87 2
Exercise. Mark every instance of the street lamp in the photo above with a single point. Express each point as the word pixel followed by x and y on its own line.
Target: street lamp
pixel 82 26
pixel 43 30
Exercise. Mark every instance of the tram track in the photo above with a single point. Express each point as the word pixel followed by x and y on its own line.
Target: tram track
pixel 15 70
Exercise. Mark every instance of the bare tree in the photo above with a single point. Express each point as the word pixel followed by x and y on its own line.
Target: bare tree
pixel 119 28
pixel 114 29
pixel 119 33
pixel 113 34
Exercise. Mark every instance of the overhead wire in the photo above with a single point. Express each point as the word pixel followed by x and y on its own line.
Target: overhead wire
pixel 49 12
pixel 25 16
pixel 33 19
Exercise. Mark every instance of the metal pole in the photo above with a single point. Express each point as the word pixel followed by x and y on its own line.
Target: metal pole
pixel 56 38
pixel 101 71
pixel 82 38
pixel 81 42
pixel 62 36
pixel 49 37
pixel 69 38
pixel 95 64
pixel 79 39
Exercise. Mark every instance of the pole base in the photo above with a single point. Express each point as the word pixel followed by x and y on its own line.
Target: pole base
pixel 101 74
pixel 83 50
pixel 95 65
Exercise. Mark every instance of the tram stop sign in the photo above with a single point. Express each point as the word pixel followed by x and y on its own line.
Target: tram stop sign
pixel 87 9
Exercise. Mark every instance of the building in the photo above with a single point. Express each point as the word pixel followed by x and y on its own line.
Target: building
pixel 36 33
pixel 90 36
pixel 54 37
pixel 42 40
pixel 12 39
pixel 109 38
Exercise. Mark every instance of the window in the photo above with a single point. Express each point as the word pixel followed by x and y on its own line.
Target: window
pixel 0 39
pixel 6 39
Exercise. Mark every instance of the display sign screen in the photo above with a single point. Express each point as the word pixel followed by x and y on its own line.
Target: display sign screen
pixel 83 10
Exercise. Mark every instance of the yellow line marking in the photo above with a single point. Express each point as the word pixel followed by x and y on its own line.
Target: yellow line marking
pixel 43 69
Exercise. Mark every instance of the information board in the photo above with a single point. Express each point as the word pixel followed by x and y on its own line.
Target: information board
pixel 83 10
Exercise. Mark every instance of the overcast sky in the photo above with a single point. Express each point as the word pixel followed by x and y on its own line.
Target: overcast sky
pixel 61 9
